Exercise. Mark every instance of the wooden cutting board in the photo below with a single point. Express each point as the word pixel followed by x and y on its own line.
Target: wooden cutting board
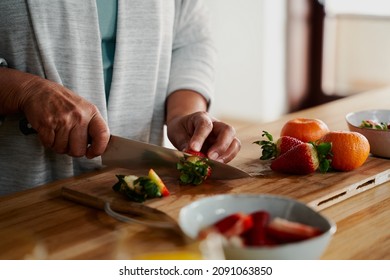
pixel 317 190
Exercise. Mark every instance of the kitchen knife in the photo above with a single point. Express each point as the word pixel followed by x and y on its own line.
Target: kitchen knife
pixel 122 152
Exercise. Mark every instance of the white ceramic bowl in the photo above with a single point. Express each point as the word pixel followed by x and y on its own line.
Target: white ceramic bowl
pixel 204 212
pixel 379 139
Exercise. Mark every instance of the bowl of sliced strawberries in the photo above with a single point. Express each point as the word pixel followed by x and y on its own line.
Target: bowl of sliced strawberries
pixel 259 226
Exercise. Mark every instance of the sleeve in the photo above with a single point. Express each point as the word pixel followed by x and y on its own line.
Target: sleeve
pixel 3 63
pixel 194 54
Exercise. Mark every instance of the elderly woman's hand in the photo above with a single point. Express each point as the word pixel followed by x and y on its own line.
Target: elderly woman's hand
pixel 64 121
pixel 201 132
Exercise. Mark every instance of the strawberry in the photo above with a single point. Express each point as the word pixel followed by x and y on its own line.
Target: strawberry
pixel 157 180
pixel 194 153
pixel 194 169
pixel 271 150
pixel 303 159
pixel 256 235
pixel 285 231
pixel 141 188
pixel 232 225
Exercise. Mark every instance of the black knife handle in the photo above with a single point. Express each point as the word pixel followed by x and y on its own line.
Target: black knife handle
pixel 26 128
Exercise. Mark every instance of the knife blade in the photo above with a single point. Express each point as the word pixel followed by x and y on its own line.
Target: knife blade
pixel 128 153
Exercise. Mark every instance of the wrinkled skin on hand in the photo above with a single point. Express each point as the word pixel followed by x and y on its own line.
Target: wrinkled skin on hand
pixel 64 121
pixel 201 132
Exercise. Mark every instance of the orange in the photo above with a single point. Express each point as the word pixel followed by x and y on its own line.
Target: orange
pixel 350 149
pixel 306 130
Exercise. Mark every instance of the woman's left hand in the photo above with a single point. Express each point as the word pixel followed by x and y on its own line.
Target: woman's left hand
pixel 201 132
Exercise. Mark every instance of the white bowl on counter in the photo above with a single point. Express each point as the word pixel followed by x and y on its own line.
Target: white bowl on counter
pixel 207 211
pixel 379 139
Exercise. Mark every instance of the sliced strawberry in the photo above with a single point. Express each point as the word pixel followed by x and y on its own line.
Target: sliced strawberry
pixel 157 180
pixel 286 143
pixel 271 150
pixel 256 235
pixel 303 159
pixel 194 153
pixel 285 231
pixel 232 225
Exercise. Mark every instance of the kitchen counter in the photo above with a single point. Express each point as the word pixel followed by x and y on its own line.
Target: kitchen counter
pixel 42 224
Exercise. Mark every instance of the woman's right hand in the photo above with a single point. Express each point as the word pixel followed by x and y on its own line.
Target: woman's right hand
pixel 64 121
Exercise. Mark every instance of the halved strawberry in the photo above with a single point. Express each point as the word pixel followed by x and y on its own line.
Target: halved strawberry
pixel 271 149
pixel 160 184
pixel 256 235
pixel 194 153
pixel 285 231
pixel 232 225
pixel 303 159
pixel 194 169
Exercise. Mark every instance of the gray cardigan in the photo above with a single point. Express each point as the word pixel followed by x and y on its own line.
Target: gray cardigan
pixel 162 46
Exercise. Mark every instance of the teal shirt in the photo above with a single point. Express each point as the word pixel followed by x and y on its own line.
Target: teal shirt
pixel 107 12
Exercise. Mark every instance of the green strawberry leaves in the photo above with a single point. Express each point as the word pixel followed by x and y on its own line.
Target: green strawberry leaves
pixel 139 189
pixel 269 149
pixel 324 155
pixel 193 170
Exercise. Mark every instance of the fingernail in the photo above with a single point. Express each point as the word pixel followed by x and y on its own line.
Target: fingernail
pixel 196 146
pixel 214 156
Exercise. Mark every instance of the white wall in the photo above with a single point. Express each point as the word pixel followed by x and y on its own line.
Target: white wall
pixel 358 7
pixel 356 46
pixel 250 38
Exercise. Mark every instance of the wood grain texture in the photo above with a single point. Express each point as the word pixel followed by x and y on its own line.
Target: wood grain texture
pixel 42 224
pixel 318 190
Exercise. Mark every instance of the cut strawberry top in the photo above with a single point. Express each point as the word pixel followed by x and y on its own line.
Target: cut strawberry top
pixel 141 188
pixel 193 169
pixel 157 180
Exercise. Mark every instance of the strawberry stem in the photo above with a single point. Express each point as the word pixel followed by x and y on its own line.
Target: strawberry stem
pixel 324 155
pixel 269 150
pixel 193 170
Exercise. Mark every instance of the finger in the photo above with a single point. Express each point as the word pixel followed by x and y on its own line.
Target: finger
pixel 42 126
pixel 203 126
pixel 179 140
pixel 60 144
pixel 224 136
pixel 99 134
pixel 46 136
pixel 78 141
pixel 231 152
pixel 177 134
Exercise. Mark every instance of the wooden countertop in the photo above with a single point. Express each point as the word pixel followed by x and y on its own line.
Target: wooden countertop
pixel 41 224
